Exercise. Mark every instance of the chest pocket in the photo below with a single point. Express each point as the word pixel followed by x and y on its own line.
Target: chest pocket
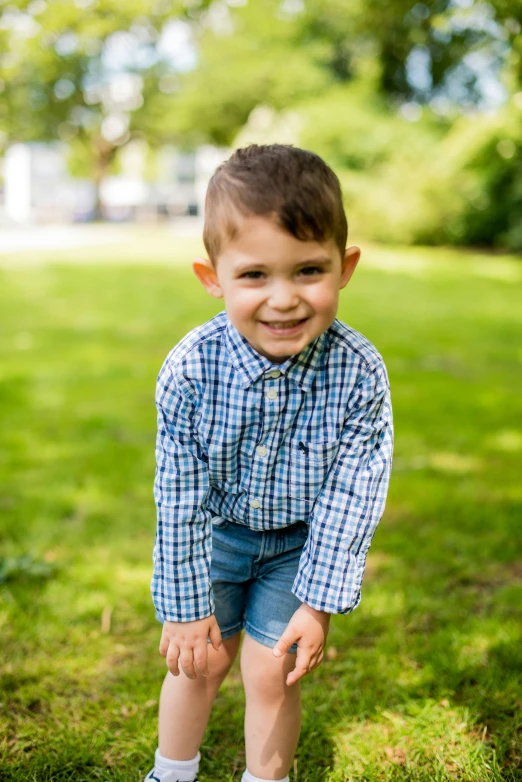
pixel 309 466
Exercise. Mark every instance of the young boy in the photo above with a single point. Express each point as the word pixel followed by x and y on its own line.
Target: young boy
pixel 273 459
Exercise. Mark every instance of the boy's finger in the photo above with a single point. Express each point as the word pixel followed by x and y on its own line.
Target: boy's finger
pixel 299 671
pixel 302 665
pixel 163 646
pixel 186 660
pixel 201 658
pixel 172 655
pixel 287 640
pixel 215 636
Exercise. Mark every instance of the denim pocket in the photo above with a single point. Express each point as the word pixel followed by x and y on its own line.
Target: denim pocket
pixel 299 532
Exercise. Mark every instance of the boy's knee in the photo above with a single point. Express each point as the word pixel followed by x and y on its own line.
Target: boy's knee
pixel 264 675
pixel 220 662
pixel 218 670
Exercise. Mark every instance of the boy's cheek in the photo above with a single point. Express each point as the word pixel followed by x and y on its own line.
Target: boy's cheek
pixel 241 300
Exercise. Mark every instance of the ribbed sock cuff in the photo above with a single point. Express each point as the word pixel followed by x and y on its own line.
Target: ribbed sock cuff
pixel 248 777
pixel 186 770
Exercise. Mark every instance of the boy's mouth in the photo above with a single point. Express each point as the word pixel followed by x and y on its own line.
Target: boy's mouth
pixel 283 326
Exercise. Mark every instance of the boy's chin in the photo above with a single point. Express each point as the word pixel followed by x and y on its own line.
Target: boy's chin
pixel 279 353
pixel 275 353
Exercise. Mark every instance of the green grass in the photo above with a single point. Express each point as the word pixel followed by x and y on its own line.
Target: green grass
pixel 422 682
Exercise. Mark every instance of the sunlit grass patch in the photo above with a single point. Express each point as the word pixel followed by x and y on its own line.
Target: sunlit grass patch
pixel 429 741
pixel 509 440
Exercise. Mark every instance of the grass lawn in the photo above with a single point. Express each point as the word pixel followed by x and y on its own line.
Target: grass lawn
pixel 422 682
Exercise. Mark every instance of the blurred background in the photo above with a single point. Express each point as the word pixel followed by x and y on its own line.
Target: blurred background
pixel 113 116
pixel 122 111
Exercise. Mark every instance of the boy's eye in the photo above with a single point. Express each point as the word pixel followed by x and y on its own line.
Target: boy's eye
pixel 252 275
pixel 309 271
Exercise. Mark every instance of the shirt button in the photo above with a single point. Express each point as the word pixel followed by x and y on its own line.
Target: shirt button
pixel 255 504
pixel 274 373
pixel 261 450
pixel 271 393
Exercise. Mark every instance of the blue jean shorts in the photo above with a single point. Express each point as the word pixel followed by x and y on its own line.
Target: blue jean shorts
pixel 252 574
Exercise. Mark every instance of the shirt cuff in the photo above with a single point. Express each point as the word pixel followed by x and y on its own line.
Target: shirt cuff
pixel 333 599
pixel 188 605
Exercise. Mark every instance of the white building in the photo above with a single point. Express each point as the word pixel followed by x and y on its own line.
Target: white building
pixel 38 187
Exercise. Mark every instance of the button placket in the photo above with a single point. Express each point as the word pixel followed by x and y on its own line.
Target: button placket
pixel 261 463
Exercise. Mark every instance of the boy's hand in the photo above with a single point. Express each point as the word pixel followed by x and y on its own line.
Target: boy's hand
pixel 309 628
pixel 185 644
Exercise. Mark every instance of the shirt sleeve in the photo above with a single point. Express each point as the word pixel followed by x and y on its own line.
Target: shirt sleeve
pixel 350 504
pixel 181 588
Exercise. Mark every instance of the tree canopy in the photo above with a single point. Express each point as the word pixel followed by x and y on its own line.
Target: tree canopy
pixel 79 70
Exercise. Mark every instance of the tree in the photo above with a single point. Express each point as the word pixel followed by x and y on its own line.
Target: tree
pixel 280 53
pixel 79 70
pixel 508 14
pixel 423 49
pixel 247 55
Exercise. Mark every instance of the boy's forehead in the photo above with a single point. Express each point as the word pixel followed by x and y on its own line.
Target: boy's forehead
pixel 262 238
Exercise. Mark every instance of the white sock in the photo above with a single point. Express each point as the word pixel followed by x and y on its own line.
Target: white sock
pixel 185 770
pixel 248 777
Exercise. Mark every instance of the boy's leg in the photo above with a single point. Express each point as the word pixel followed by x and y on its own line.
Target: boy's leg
pixel 185 704
pixel 273 710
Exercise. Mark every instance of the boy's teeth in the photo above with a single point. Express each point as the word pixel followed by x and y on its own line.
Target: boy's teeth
pixel 287 324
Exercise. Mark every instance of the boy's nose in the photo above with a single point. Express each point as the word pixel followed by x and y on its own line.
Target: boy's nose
pixel 283 298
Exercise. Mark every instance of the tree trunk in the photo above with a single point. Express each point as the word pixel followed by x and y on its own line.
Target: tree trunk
pixel 104 153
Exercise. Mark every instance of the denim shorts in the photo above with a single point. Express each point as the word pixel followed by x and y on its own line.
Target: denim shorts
pixel 252 574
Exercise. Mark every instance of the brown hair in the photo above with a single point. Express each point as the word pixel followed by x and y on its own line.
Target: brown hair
pixel 290 185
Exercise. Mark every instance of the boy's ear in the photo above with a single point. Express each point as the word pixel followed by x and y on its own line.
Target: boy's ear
pixel 348 264
pixel 206 274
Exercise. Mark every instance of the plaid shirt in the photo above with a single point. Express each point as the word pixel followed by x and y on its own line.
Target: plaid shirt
pixel 267 445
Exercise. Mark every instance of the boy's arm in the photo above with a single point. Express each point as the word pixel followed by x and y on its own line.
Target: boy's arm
pixel 344 519
pixel 181 581
pixel 351 502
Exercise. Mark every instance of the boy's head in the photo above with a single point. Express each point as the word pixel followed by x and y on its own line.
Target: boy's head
pixel 275 232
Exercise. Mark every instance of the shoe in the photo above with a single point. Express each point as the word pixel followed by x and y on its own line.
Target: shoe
pixel 168 776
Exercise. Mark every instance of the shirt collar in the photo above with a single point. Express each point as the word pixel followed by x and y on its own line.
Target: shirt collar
pixel 251 365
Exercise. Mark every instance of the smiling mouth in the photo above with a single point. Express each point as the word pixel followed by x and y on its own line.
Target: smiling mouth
pixel 285 326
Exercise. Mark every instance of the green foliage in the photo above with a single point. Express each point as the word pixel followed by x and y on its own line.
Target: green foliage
pixel 421 683
pixel 389 32
pixel 254 61
pixel 437 179
pixel 463 187
pixel 489 182
pixel 427 182
pixel 76 71
pixel 24 567
pixel 377 155
pixel 341 71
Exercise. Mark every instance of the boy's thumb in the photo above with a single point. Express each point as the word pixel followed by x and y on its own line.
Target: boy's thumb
pixel 215 636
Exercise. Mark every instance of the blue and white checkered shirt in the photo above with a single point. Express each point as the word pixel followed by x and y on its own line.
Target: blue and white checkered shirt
pixel 267 445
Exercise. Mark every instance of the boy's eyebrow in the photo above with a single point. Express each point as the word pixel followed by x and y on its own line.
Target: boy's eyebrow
pixel 324 259
pixel 245 265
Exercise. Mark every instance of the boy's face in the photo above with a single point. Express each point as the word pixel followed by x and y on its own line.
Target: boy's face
pixel 280 293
